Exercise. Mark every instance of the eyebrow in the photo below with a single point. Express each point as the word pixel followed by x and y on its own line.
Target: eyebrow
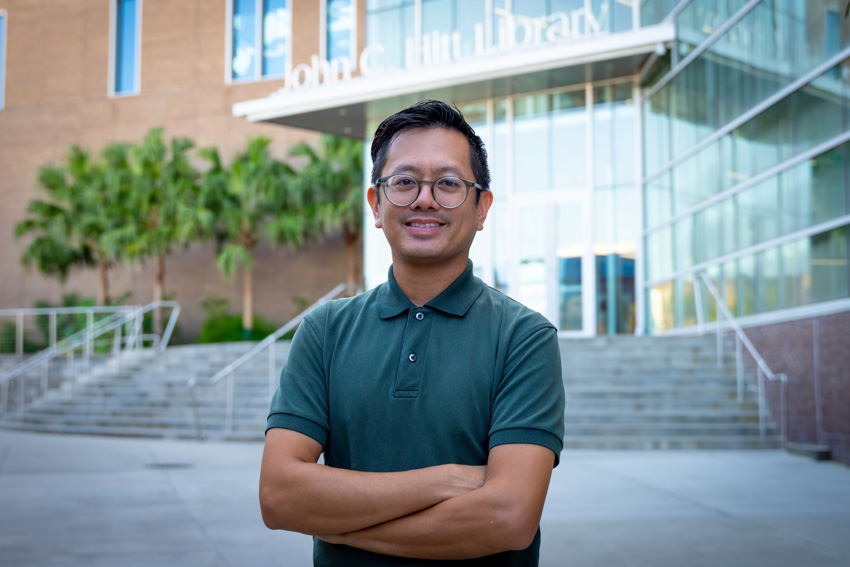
pixel 443 171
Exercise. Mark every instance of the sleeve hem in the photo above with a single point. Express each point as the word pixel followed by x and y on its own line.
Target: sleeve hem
pixel 528 435
pixel 299 424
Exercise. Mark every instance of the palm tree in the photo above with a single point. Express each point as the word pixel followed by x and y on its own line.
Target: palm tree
pixel 165 202
pixel 249 199
pixel 333 177
pixel 80 222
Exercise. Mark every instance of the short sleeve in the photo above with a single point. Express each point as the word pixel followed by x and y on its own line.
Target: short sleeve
pixel 529 401
pixel 301 400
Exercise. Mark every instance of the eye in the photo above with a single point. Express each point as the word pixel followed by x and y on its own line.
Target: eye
pixel 402 181
pixel 450 183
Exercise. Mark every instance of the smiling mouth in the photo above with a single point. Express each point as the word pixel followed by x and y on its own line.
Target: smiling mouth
pixel 424 224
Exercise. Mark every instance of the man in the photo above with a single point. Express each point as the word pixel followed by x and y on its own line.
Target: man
pixel 437 401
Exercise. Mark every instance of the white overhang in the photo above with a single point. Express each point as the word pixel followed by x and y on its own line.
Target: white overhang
pixel 346 107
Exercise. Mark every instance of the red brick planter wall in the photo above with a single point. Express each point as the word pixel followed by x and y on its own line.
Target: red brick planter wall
pixel 815 354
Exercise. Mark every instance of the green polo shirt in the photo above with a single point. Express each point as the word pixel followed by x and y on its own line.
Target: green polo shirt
pixel 386 386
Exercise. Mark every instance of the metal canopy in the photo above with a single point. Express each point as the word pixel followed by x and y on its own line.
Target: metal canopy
pixel 349 107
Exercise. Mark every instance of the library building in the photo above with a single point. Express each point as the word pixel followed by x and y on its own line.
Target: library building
pixel 659 167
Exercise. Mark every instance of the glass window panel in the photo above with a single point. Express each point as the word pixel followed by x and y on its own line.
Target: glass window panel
pixel 658 200
pixel 683 244
pixel 828 265
pixel 793 273
pixel 659 253
pixel 125 46
pixel 662 307
pixel 244 39
pixel 613 135
pixel 276 27
pixel 390 23
pixel 532 147
pixel 745 286
pixel 340 28
pixel 688 307
pixel 532 268
pixel 569 250
pixel 767 280
pixel 569 132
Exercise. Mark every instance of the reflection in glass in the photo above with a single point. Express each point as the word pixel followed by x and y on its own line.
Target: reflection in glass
pixel 125 47
pixel 340 29
pixel 570 248
pixel 276 26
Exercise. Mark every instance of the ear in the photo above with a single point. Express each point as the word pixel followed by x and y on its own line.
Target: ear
pixel 484 202
pixel 374 203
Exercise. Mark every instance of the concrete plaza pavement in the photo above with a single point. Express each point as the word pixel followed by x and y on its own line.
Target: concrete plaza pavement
pixel 88 501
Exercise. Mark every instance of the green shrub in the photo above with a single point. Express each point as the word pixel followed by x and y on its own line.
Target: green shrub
pixel 219 326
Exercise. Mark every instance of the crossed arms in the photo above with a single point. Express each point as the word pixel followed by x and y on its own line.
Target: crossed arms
pixel 441 512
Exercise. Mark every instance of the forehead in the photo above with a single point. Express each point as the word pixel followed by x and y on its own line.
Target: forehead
pixel 440 149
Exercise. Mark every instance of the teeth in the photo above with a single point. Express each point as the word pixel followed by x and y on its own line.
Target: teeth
pixel 424 225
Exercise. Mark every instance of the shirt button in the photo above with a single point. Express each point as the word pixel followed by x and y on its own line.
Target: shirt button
pixel 412 357
pixel 420 316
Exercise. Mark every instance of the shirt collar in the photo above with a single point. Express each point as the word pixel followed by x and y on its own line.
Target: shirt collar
pixel 454 300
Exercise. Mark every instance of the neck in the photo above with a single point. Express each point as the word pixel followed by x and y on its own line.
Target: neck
pixel 422 283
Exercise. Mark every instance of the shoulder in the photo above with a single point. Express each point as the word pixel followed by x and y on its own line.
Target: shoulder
pixel 338 312
pixel 515 319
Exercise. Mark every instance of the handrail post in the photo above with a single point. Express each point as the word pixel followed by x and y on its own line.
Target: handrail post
pixel 19 334
pixel 52 339
pixel 228 429
pixel 719 341
pixel 762 424
pixel 739 357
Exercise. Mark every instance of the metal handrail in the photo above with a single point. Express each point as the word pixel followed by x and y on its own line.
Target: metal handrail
pixel 266 343
pixel 52 312
pixel 85 338
pixel 742 339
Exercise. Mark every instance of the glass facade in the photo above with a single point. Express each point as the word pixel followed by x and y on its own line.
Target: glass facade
pixel 126 46
pixel 746 161
pixel 260 39
pixel 728 154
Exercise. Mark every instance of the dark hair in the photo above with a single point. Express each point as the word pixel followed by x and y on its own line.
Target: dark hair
pixel 429 114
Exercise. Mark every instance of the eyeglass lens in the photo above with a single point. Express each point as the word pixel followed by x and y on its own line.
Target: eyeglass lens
pixel 449 192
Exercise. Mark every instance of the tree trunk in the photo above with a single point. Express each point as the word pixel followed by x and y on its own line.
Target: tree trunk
pixel 351 241
pixel 158 294
pixel 103 272
pixel 247 303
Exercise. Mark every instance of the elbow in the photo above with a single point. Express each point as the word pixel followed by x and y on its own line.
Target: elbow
pixel 517 524
pixel 520 535
pixel 275 510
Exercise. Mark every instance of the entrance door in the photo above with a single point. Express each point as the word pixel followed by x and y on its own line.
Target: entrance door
pixel 553 259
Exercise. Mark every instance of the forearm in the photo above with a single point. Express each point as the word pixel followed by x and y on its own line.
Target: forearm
pixel 504 514
pixel 473 525
pixel 317 499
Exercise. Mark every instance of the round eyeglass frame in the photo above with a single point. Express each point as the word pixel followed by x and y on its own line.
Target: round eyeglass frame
pixel 419 182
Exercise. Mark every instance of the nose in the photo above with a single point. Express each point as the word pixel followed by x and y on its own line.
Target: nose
pixel 425 199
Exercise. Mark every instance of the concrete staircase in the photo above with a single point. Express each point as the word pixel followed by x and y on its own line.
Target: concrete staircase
pixel 144 394
pixel 622 393
pixel 656 393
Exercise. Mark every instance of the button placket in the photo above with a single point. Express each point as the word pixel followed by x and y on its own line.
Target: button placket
pixel 411 367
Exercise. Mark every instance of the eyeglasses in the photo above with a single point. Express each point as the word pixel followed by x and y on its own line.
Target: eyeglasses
pixel 449 192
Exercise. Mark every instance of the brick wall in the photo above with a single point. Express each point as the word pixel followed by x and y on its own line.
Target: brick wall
pixel 56 95
pixel 815 355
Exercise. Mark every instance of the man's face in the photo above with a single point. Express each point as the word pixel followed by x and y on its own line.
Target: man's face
pixel 424 233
